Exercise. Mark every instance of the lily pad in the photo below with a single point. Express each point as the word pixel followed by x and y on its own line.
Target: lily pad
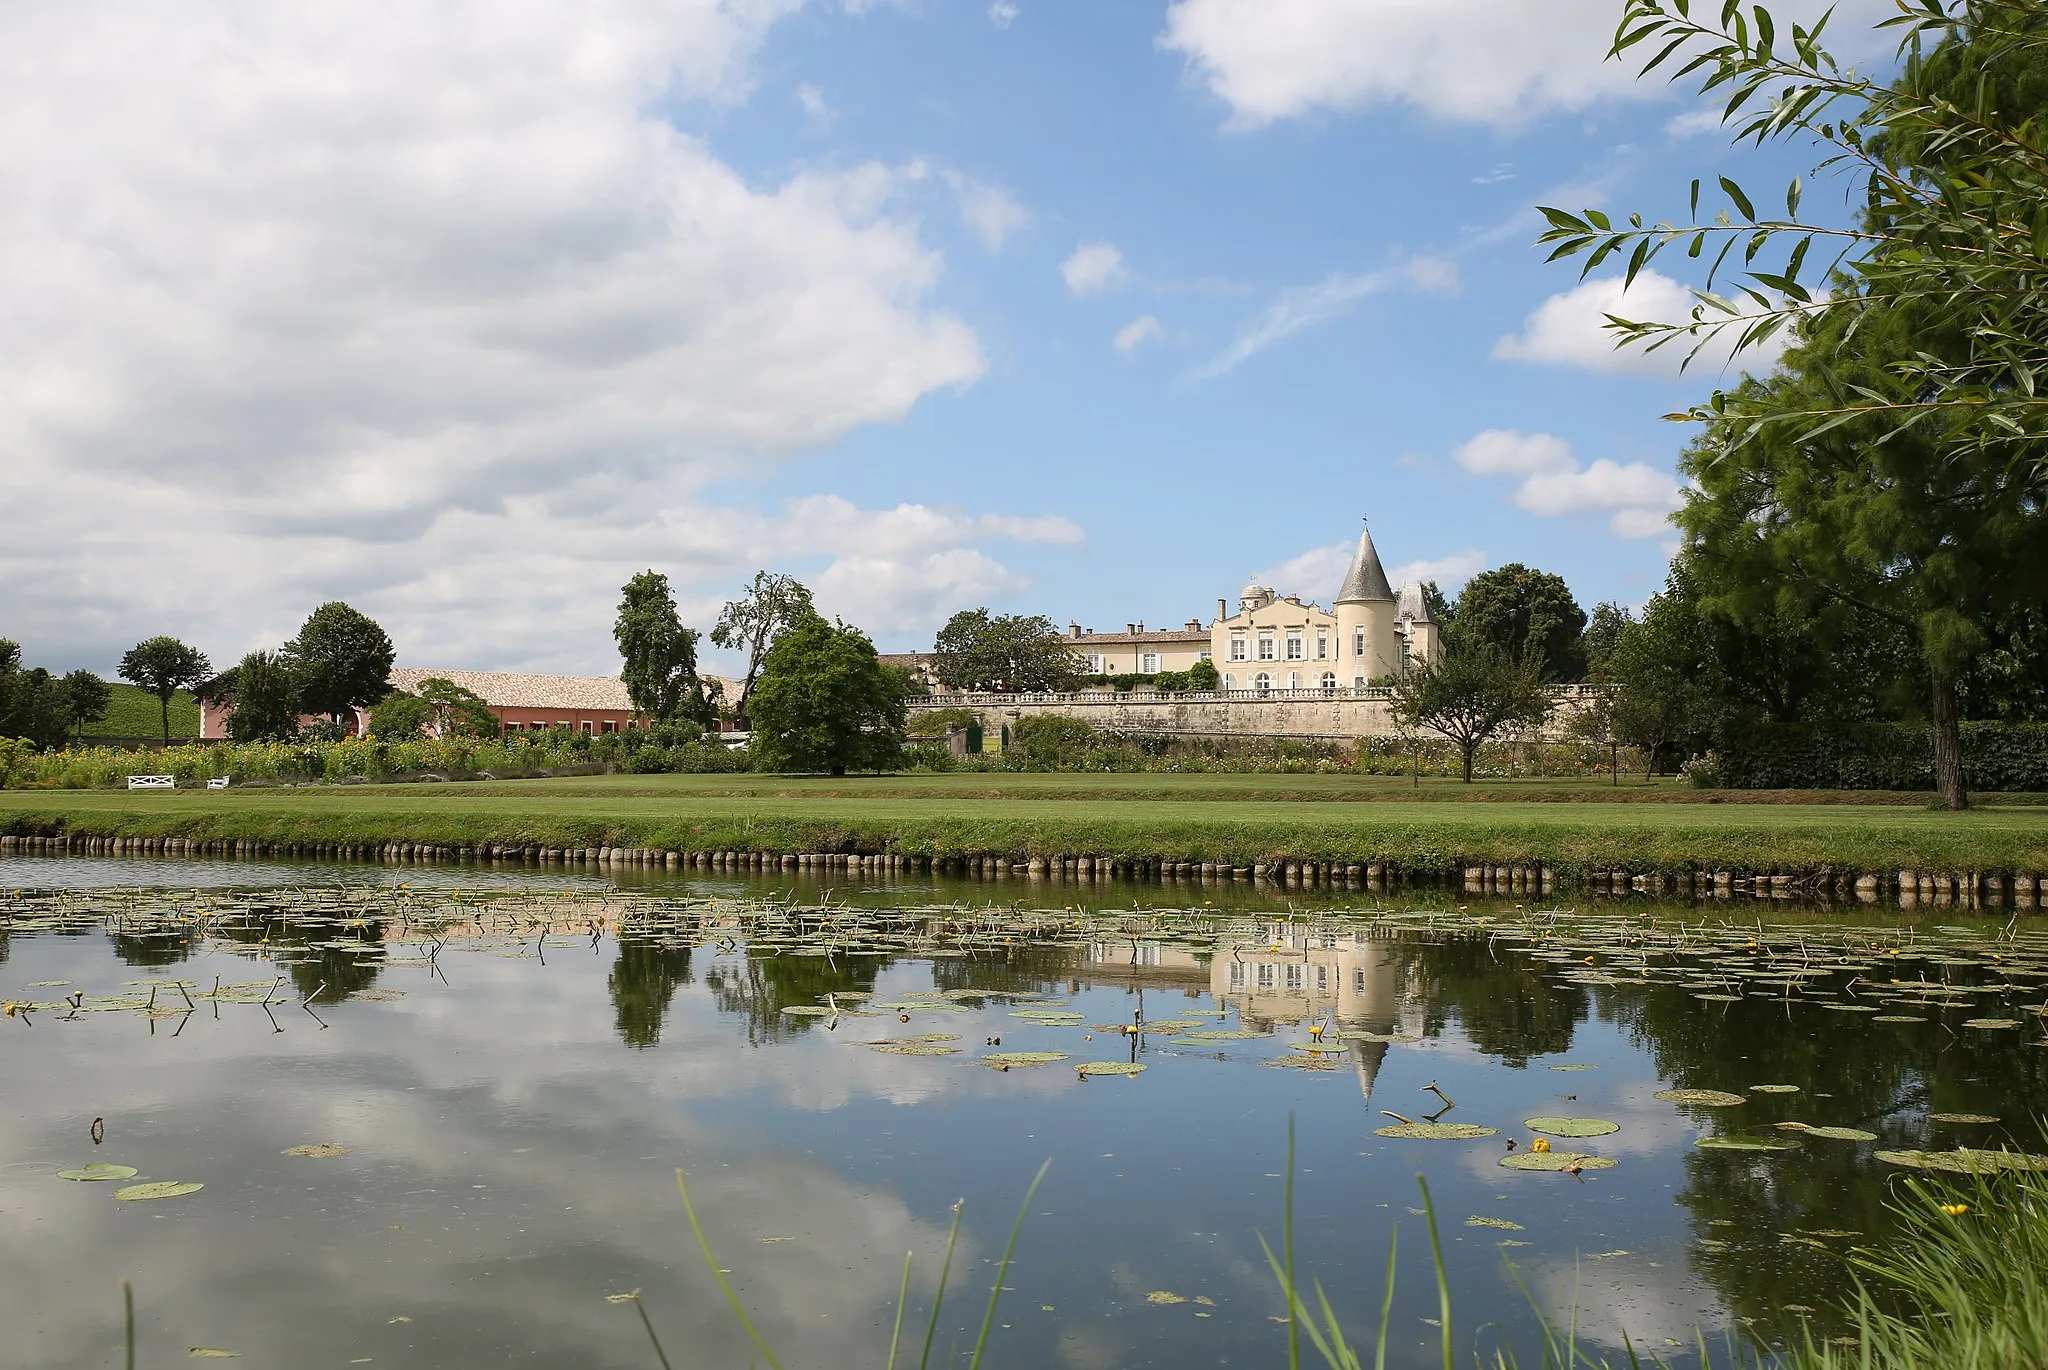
pixel 1747 1144
pixel 1579 1066
pixel 1555 1160
pixel 1435 1132
pixel 1502 1223
pixel 1023 1058
pixel 915 1049
pixel 212 1353
pixel 1110 1068
pixel 320 1150
pixel 808 1011
pixel 1965 1161
pixel 1774 1089
pixel 1960 1118
pixel 100 1170
pixel 162 1189
pixel 1704 1098
pixel 1572 1127
pixel 1898 1018
pixel 1382 1037
pixel 1991 1024
pixel 1839 1134
pixel 1226 1035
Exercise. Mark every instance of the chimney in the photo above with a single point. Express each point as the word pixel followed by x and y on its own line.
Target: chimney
pixel 1073 628
pixel 1222 609
pixel 1194 625
pixel 1130 628
pixel 1141 625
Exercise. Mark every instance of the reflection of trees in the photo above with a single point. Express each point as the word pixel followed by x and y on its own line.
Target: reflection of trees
pixel 643 981
pixel 149 950
pixel 1011 970
pixel 1504 1010
pixel 297 949
pixel 1852 1072
pixel 759 987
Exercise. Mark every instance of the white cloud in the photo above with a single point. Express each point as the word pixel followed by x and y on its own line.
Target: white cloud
pixel 1505 452
pixel 989 210
pixel 1496 62
pixel 1138 332
pixel 1095 269
pixel 1450 572
pixel 1695 122
pixel 1570 329
pixel 439 316
pixel 1638 497
pixel 1300 308
pixel 1002 14
pixel 813 101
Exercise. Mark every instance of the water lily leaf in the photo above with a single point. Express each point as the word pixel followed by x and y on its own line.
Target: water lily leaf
pixel 1850 1008
pixel 99 1170
pixel 1578 1066
pixel 1960 1118
pixel 213 1353
pixel 807 1011
pixel 1991 1024
pixel 1110 1068
pixel 1704 1098
pixel 1502 1223
pixel 1555 1160
pixel 1747 1144
pixel 1839 1134
pixel 1023 1058
pixel 1964 1160
pixel 162 1189
pixel 1435 1132
pixel 915 1049
pixel 1226 1035
pixel 321 1150
pixel 1774 1089
pixel 1164 1296
pixel 1572 1127
pixel 1383 1037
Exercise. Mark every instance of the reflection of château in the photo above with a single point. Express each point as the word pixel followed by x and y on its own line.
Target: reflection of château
pixel 1291 975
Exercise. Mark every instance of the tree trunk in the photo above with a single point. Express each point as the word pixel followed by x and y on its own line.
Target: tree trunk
pixel 165 702
pixel 1468 748
pixel 1948 743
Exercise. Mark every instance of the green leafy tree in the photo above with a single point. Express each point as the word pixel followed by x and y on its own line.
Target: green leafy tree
pixel 1895 463
pixel 457 712
pixel 163 666
pixel 824 702
pixel 751 623
pixel 1203 675
pixel 1440 607
pixel 1604 629
pixel 265 698
pixel 977 650
pixel 399 716
pixel 1473 693
pixel 342 661
pixel 33 704
pixel 1527 614
pixel 86 700
pixel 660 654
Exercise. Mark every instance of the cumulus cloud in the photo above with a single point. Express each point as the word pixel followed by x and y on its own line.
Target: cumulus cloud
pixel 1450 572
pixel 1095 269
pixel 1138 332
pixel 1003 14
pixel 1301 308
pixel 1570 329
pixel 1318 572
pixel 1637 497
pixel 1495 62
pixel 439 315
pixel 991 211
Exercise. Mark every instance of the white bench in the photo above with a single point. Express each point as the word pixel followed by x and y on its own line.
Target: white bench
pixel 218 782
pixel 152 782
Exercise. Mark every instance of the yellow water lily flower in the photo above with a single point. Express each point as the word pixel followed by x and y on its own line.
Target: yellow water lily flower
pixel 1540 1144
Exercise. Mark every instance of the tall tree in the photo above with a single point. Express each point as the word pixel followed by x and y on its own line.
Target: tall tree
pixel 342 661
pixel 33 703
pixel 86 699
pixel 660 654
pixel 457 712
pixel 1472 694
pixel 826 703
pixel 1895 464
pixel 163 666
pixel 751 623
pixel 265 697
pixel 977 650
pixel 1527 614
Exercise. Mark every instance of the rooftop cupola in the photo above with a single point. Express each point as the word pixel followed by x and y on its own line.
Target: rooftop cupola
pixel 1366 581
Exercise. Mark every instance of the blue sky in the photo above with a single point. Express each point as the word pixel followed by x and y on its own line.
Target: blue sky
pixel 464 314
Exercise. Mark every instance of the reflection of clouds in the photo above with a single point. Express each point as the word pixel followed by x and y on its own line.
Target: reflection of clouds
pixel 1652 1301
pixel 498 1186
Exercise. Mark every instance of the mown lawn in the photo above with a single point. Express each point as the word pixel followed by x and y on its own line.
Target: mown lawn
pixel 1237 818
pixel 134 712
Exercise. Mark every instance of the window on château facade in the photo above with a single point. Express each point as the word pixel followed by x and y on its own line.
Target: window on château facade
pixel 1263 683
pixel 1237 647
pixel 1329 682
pixel 1266 646
pixel 1358 643
pixel 1149 663
pixel 1094 663
pixel 1294 645
pixel 1322 644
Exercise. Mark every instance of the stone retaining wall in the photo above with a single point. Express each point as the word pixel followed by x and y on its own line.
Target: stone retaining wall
pixel 1304 714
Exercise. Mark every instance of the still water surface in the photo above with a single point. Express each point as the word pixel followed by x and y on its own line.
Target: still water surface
pixel 515 1083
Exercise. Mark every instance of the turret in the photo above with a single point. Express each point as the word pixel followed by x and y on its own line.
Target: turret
pixel 1369 642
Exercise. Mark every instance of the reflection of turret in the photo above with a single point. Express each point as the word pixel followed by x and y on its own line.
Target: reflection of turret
pixel 1365 1059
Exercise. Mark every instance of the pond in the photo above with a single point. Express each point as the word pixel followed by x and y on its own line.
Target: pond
pixel 437 1114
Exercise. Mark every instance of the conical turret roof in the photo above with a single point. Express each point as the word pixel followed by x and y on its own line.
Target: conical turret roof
pixel 1367 579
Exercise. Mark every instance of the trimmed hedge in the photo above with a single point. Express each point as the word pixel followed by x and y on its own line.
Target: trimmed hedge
pixel 1997 757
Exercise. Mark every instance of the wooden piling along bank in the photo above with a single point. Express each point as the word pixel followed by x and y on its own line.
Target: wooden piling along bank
pixel 1906 888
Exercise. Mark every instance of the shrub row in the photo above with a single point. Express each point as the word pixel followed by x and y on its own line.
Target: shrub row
pixel 1998 757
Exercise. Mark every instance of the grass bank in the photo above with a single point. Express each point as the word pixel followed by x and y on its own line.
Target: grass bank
pixel 1242 820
